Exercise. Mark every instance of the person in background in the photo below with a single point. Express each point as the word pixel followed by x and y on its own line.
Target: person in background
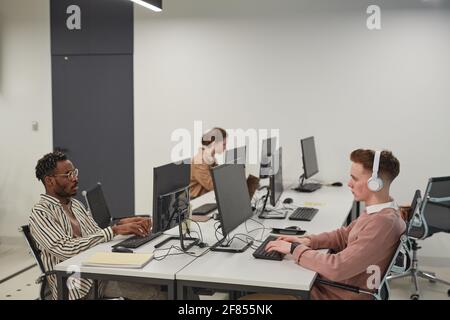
pixel 213 142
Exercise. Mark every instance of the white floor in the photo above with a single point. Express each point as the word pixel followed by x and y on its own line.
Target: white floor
pixel 14 257
pixel 22 287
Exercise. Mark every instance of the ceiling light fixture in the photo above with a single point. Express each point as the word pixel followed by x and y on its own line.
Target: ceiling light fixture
pixel 155 5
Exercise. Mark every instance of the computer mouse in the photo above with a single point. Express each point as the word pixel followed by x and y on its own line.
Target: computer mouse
pixel 337 184
pixel 288 201
pixel 122 249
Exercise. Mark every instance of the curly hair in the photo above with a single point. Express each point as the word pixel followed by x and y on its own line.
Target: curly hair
pixel 47 164
pixel 389 164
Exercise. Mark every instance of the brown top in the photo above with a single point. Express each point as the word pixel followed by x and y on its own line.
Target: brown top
pixel 368 242
pixel 201 180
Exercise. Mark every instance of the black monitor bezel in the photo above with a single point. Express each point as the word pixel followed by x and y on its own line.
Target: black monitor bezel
pixel 306 173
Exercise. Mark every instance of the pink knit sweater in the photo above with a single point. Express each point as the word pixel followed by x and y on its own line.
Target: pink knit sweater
pixel 371 240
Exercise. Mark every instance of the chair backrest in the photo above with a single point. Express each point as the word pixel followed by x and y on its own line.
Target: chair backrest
pixel 34 250
pixel 96 203
pixel 417 227
pixel 383 291
pixel 436 206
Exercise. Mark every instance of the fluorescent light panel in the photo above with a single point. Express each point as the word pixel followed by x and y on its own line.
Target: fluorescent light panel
pixel 155 5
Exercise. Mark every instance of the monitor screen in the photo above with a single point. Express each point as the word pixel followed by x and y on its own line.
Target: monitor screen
pixel 236 156
pixel 167 179
pixel 276 179
pixel 267 149
pixel 309 157
pixel 233 199
pixel 173 208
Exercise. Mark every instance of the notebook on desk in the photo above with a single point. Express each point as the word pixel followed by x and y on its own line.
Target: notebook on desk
pixel 118 260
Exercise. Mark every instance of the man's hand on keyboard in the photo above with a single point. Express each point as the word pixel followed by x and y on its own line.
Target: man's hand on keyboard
pixel 305 241
pixel 136 228
pixel 144 222
pixel 279 245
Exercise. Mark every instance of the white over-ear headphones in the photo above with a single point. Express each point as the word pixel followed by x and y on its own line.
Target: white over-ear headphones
pixel 375 184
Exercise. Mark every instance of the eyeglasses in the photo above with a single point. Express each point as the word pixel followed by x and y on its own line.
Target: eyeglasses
pixel 72 175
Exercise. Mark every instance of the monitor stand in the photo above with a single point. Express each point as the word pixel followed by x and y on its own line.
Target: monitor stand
pixel 181 238
pixel 220 248
pixel 307 187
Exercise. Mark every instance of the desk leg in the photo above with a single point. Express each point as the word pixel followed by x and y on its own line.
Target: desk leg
pixel 63 291
pixel 181 291
pixel 172 290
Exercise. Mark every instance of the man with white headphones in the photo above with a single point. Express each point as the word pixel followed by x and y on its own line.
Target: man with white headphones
pixel 368 243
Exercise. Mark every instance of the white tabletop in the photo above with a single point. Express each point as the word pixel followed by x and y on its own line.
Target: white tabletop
pixel 164 269
pixel 334 205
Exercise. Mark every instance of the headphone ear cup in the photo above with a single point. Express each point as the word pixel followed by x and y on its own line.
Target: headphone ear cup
pixel 375 184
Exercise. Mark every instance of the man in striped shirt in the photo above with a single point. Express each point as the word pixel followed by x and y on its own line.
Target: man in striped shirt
pixel 62 227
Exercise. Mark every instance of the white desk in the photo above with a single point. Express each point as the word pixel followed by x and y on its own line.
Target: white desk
pixel 155 272
pixel 242 272
pixel 219 270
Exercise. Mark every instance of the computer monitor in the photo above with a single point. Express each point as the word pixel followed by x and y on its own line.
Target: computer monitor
pixel 267 149
pixel 175 205
pixel 309 157
pixel 167 179
pixel 276 179
pixel 310 167
pixel 236 156
pixel 233 199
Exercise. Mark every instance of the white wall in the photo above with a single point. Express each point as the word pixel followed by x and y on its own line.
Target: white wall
pixel 306 68
pixel 25 96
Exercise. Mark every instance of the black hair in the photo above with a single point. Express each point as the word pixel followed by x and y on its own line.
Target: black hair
pixel 47 164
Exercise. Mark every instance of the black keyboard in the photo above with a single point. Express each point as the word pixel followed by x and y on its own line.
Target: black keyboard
pixel 303 214
pixel 261 253
pixel 137 241
pixel 309 187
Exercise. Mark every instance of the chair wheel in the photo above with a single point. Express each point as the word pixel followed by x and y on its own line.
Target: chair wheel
pixel 414 297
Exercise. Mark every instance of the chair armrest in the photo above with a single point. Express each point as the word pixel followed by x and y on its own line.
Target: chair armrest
pixel 344 287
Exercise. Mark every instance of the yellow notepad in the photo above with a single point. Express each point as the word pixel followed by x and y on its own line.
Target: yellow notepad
pixel 118 260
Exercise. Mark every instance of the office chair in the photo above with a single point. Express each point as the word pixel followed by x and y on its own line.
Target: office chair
pixel 431 215
pixel 96 203
pixel 42 280
pixel 97 206
pixel 383 290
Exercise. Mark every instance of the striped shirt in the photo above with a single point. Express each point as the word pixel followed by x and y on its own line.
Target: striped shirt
pixel 52 231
